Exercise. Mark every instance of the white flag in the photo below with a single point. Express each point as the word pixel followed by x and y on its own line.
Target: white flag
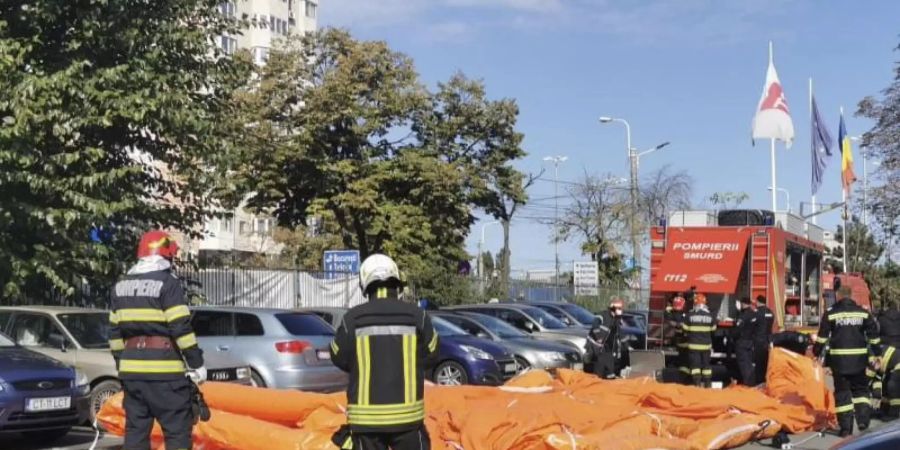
pixel 773 118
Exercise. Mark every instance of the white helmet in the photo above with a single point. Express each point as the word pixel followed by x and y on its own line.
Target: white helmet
pixel 377 267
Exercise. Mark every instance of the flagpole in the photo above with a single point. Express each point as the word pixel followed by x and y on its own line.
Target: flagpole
pixel 844 197
pixel 772 149
pixel 814 162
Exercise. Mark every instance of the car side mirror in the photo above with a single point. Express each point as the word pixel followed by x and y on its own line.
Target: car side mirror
pixel 529 327
pixel 58 341
pixel 482 334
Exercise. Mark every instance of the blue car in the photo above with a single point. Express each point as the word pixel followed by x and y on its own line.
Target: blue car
pixel 40 397
pixel 465 359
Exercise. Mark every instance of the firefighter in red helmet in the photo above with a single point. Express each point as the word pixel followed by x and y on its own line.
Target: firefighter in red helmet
pixel 698 329
pixel 154 347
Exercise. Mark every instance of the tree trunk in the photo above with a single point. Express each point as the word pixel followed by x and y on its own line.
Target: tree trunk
pixel 504 260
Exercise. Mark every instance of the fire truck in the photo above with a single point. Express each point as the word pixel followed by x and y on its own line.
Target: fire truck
pixel 730 254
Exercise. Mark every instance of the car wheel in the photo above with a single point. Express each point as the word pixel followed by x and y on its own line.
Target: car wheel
pixel 256 380
pixel 100 393
pixel 44 437
pixel 522 365
pixel 450 373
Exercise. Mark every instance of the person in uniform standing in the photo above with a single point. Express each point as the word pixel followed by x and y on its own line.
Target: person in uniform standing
pixel 698 329
pixel 743 333
pixel 889 324
pixel 848 330
pixel 762 338
pixel 675 316
pixel 599 350
pixel 889 368
pixel 151 340
pixel 385 401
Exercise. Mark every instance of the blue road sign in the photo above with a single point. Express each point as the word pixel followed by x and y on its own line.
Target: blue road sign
pixel 338 262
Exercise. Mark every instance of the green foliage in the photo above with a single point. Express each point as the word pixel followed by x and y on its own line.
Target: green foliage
pixel 727 200
pixel 345 132
pixel 863 251
pixel 111 113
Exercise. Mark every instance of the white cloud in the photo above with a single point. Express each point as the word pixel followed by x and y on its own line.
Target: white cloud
pixel 452 32
pixel 371 13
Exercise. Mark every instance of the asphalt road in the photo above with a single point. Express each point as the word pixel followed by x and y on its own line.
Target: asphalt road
pixel 80 438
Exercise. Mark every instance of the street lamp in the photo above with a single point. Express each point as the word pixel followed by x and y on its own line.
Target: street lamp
pixel 634 161
pixel 481 252
pixel 556 160
pixel 786 193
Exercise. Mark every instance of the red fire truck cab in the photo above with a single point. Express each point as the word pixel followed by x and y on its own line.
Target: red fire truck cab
pixel 731 254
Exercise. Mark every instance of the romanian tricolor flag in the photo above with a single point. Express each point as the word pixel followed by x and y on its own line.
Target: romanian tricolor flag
pixel 847 175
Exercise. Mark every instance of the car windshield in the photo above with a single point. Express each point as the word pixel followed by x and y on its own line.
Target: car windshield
pixel 6 342
pixel 580 314
pixel 304 324
pixel 502 329
pixel 91 330
pixel 445 328
pixel 544 318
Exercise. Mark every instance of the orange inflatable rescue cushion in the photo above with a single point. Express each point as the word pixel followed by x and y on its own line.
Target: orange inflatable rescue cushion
pixel 534 411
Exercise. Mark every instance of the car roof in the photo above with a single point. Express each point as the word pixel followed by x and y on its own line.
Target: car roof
pixel 248 309
pixel 52 309
pixel 332 309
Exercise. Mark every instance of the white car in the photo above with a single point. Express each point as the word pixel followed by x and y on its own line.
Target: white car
pixel 79 337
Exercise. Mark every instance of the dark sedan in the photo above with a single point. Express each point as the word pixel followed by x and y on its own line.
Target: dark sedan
pixel 40 397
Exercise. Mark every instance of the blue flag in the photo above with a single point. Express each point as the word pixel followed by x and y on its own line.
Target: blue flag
pixel 820 147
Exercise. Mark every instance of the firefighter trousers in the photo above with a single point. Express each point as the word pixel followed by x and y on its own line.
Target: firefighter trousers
pixel 760 360
pixel 852 398
pixel 169 402
pixel 684 364
pixel 891 396
pixel 744 356
pixel 407 440
pixel 700 366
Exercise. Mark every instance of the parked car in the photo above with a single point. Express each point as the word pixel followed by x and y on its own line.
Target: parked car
pixel 569 313
pixel 465 359
pixel 80 337
pixel 331 314
pixel 40 397
pixel 284 349
pixel 533 321
pixel 528 351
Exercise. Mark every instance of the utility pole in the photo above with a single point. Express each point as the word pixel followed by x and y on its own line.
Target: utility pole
pixel 556 160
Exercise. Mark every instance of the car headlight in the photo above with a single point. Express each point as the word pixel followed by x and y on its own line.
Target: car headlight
pixel 2 386
pixel 242 373
pixel 82 383
pixel 476 353
pixel 553 356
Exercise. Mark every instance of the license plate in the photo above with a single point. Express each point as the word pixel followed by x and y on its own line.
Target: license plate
pixel 510 367
pixel 48 404
pixel 222 375
pixel 323 354
pixel 578 366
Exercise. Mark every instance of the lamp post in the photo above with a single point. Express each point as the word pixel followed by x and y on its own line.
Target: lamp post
pixel 634 161
pixel 556 160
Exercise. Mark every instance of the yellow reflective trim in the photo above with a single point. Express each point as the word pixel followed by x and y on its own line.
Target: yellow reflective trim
pixel 404 408
pixel 848 351
pixel 334 347
pixel 187 341
pixel 822 340
pixel 387 419
pixel 141 315
pixel 113 317
pixel 406 377
pixel 116 344
pixel 151 366
pixel 888 354
pixel 844 409
pixel 364 361
pixel 894 402
pixel 432 346
pixel 848 315
pixel 176 312
pixel 698 328
pixel 866 400
pixel 381 292
pixel 700 347
pixel 695 371
pixel 875 341
pixel 348 444
pixel 684 369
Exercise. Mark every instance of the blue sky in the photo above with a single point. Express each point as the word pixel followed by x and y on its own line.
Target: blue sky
pixel 687 71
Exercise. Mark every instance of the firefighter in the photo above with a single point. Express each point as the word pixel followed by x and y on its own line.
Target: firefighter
pixel 675 316
pixel 599 350
pixel 762 338
pixel 848 330
pixel 698 329
pixel 617 343
pixel 889 369
pixel 743 333
pixel 386 406
pixel 151 340
pixel 889 325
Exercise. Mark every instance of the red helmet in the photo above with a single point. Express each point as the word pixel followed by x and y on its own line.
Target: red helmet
pixel 699 299
pixel 617 304
pixel 678 303
pixel 157 242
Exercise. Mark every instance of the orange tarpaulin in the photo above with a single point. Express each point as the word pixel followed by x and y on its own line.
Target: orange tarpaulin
pixel 534 411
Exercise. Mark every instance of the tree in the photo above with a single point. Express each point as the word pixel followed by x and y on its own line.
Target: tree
pixel 598 216
pixel 354 139
pixel 863 252
pixel 883 141
pixel 112 114
pixel 663 191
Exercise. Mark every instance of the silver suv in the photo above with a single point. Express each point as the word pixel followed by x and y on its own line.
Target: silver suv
pixel 285 349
